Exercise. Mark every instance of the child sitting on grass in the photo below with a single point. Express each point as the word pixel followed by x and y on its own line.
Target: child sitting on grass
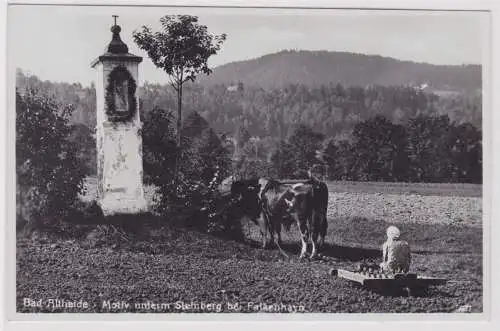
pixel 396 255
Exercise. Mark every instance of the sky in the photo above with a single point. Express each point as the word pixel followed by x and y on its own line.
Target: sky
pixel 58 43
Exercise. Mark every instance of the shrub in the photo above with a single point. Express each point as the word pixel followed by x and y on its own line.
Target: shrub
pixel 204 163
pixel 49 175
pixel 159 150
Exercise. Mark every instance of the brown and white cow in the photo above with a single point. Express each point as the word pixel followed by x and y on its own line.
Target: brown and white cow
pixel 262 201
pixel 308 206
pixel 274 209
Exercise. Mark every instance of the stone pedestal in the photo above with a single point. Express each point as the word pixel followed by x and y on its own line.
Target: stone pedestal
pixel 120 169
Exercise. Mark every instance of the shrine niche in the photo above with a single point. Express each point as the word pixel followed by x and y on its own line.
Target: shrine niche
pixel 121 103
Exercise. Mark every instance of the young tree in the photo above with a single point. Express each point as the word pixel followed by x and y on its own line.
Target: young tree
pixel 182 49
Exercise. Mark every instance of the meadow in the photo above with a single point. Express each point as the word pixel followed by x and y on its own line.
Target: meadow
pixel 160 263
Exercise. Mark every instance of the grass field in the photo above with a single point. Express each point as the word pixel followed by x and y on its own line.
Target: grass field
pixel 425 189
pixel 169 265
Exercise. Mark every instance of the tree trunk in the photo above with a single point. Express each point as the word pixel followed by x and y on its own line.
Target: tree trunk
pixel 178 153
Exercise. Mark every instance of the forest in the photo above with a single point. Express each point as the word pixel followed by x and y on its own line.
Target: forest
pixel 371 133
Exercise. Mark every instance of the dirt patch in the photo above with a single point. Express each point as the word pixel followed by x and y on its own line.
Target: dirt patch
pixel 186 271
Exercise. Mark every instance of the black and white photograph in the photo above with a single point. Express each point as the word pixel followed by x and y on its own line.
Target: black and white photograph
pixel 225 160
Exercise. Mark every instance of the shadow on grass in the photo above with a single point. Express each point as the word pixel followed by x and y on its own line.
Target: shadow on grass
pixel 341 253
pixel 344 253
pixel 352 254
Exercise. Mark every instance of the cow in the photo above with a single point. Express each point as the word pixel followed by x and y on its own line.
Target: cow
pixel 308 206
pixel 247 202
pixel 245 196
pixel 262 201
pixel 274 210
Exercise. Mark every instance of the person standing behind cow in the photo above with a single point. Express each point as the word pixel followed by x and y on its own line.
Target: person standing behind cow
pixel 396 255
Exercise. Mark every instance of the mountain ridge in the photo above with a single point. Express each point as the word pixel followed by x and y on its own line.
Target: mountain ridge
pixel 315 68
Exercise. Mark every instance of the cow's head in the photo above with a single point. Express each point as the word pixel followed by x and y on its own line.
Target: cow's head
pixel 245 193
pixel 242 189
pixel 295 198
pixel 291 202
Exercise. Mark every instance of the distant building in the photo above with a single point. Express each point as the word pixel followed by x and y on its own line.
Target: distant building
pixel 237 87
pixel 424 86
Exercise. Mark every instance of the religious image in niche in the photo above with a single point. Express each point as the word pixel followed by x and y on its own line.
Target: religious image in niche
pixel 120 99
pixel 121 96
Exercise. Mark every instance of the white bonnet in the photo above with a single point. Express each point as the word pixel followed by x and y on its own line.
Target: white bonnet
pixel 393 232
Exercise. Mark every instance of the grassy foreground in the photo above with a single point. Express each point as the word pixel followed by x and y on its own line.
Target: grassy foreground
pixel 192 272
